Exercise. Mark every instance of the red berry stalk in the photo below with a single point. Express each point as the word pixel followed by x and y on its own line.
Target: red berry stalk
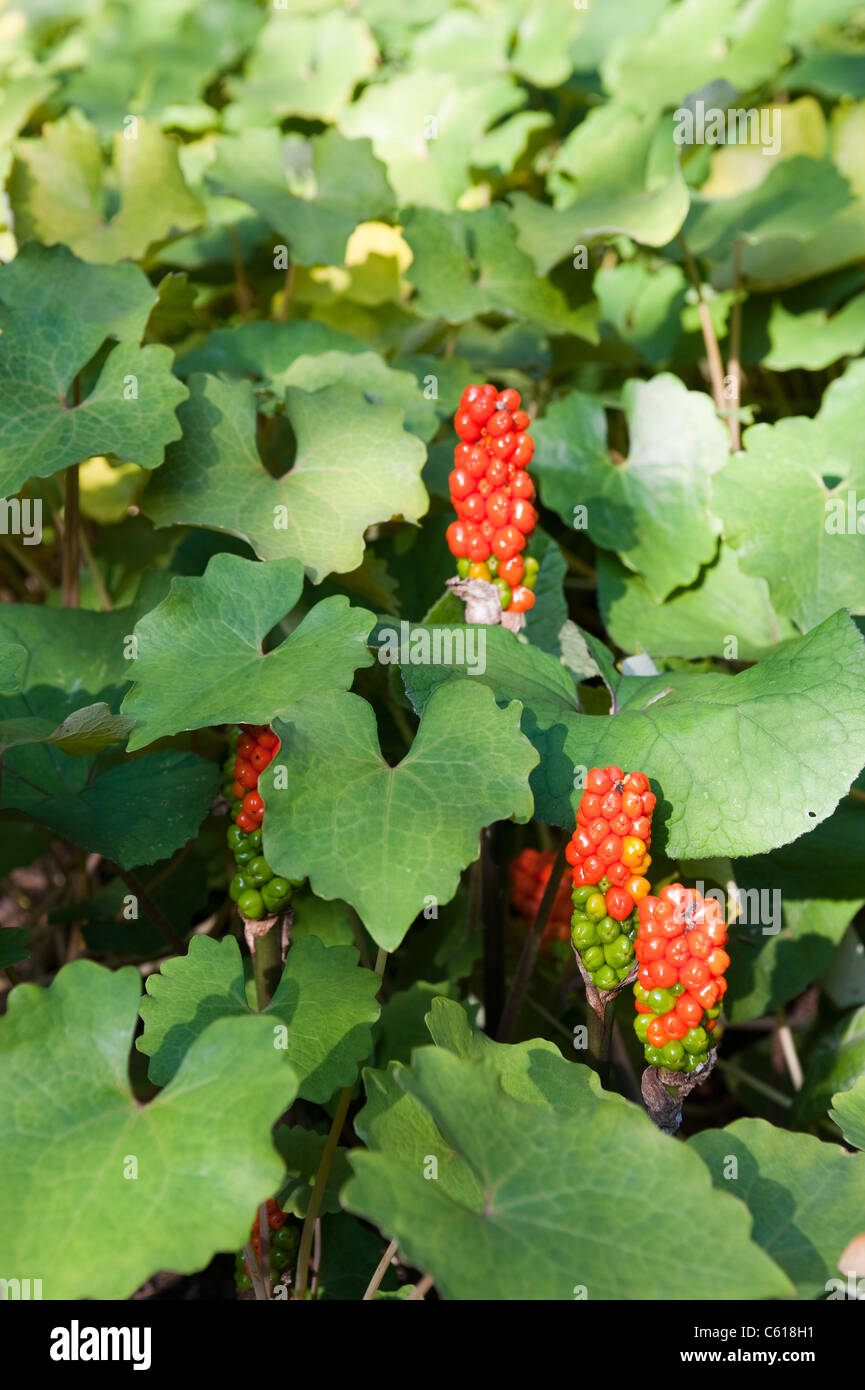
pixel 255 888
pixel 283 1244
pixel 529 875
pixel 609 855
pixel 492 495
pixel 681 982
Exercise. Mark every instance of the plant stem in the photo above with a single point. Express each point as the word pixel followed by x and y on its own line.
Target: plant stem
pixel 762 1087
pixel 734 363
pixel 287 292
pixel 95 572
pixel 155 913
pixel 267 964
pixel 856 794
pixel 242 296
pixel 532 944
pixel 600 1027
pixel 713 352
pixel 264 1247
pixel 317 1196
pixel 421 1288
pixel 788 1050
pixel 492 892
pixel 71 582
pixel 380 1271
pixel 255 1273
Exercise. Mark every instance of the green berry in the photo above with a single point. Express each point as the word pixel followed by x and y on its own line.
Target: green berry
pixel 654 1057
pixel 239 884
pixel 605 978
pixel 505 592
pixel 696 1040
pixel 596 907
pixel 235 838
pixel 580 896
pixel 641 1024
pixel 276 894
pixel 593 958
pixel 493 565
pixel 259 871
pixel 463 567
pixel 660 1001
pixel 251 904
pixel 608 929
pixel 673 1052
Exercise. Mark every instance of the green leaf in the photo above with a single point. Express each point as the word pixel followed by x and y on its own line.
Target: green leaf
pixel 390 839
pixel 57 193
pixel 803 1195
pixel 133 812
pixel 836 1064
pixel 13 661
pixel 424 128
pixel 380 384
pixel 86 730
pixel 793 521
pixel 816 338
pixel 848 1112
pixel 796 720
pixel 314 193
pixel 615 174
pixel 643 302
pixel 301 1151
pixel 128 409
pixel 525 1206
pixel 468 263
pixel 302 65
pixel 355 465
pixel 653 508
pixel 795 200
pixel 264 349
pixel 817 882
pixel 725 613
pixel 694 43
pixel 73 648
pixel 402 1026
pixel 65 1081
pixel 325 1003
pixel 218 623
pixel 112 301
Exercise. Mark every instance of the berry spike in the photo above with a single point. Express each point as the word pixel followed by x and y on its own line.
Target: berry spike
pixel 608 854
pixel 529 874
pixel 492 493
pixel 682 962
pixel 256 889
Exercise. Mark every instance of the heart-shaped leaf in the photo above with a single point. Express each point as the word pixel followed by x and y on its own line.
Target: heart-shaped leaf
pixel 321 1015
pixel 355 465
pixel 217 623
pixel 134 1188
pixel 390 840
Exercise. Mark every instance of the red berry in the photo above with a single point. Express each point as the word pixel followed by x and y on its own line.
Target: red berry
pixel 498 507
pixel 619 904
pixel 497 473
pixel 467 428
pixel 521 419
pixel 508 400
pixel 461 483
pixel 512 570
pixel 507 542
pixel 499 423
pixel 455 536
pixel 523 515
pixel 474 508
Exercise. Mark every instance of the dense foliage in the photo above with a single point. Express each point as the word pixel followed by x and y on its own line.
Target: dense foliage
pixel 252 257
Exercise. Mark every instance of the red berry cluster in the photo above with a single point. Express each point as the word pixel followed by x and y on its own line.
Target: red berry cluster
pixel 492 494
pixel 255 748
pixel 530 874
pixel 681 981
pixel 614 830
